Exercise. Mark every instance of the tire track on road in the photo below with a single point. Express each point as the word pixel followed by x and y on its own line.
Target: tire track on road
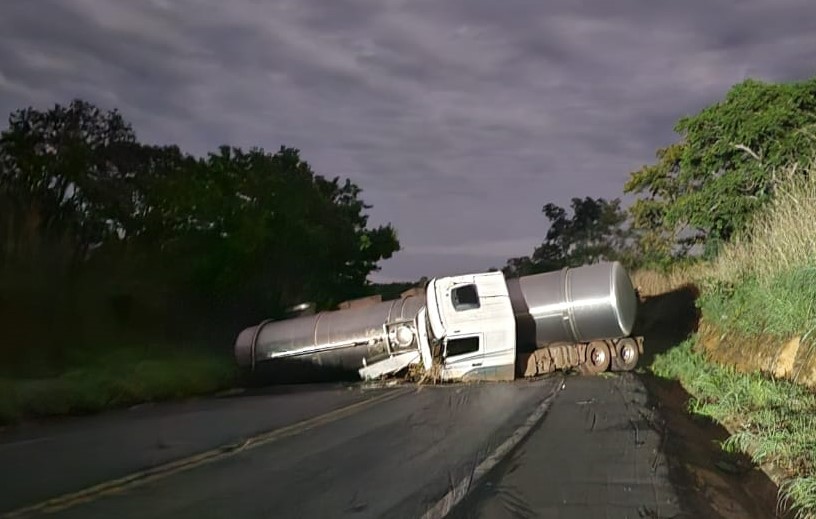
pixel 461 489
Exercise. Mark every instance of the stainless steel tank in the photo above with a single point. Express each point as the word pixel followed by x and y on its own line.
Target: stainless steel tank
pixel 574 305
pixel 339 339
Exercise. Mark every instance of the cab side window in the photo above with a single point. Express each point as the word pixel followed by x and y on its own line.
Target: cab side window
pixel 462 345
pixel 465 297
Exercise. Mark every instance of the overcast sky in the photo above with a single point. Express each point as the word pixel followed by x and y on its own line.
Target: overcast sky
pixel 459 119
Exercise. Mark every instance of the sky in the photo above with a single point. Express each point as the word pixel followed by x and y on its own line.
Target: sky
pixel 459 119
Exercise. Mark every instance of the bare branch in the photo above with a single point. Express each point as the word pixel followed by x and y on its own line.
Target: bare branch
pixel 749 151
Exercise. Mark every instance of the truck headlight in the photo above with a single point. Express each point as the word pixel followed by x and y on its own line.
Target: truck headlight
pixel 404 336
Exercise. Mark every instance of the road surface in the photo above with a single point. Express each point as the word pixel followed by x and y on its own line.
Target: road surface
pixel 597 455
pixel 556 447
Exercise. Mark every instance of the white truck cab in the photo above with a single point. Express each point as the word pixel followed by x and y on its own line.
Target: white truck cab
pixel 471 316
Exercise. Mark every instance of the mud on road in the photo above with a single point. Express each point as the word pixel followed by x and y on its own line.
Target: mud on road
pixel 715 483
pixel 608 446
pixel 626 446
pixel 622 446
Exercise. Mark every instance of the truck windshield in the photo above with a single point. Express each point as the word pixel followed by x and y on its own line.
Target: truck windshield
pixel 465 297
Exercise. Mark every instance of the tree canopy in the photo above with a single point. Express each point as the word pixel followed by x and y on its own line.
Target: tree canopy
pixel 235 236
pixel 705 188
pixel 596 231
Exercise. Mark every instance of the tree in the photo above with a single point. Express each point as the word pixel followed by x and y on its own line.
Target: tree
pixel 192 245
pixel 284 233
pixel 659 239
pixel 705 188
pixel 59 180
pixel 595 232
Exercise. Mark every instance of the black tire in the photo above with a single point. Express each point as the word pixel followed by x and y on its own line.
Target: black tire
pixel 627 355
pixel 598 358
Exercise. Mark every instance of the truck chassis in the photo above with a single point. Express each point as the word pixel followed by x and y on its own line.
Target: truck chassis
pixel 588 358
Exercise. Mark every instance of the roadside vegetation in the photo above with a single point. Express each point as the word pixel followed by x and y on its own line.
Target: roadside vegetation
pixel 124 377
pixel 727 213
pixel 763 287
pixel 765 281
pixel 115 253
pixel 750 366
pixel 773 421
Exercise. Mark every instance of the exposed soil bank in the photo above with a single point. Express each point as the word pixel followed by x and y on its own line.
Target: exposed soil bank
pixel 711 482
pixel 789 359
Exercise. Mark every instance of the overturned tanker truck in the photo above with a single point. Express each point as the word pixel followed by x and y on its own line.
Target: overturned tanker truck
pixel 469 327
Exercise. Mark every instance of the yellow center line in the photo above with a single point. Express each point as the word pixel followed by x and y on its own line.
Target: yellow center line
pixel 174 467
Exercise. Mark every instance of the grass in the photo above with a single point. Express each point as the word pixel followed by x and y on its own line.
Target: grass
pixel 781 305
pixel 120 378
pixel 763 286
pixel 652 283
pixel 774 421
pixel 765 281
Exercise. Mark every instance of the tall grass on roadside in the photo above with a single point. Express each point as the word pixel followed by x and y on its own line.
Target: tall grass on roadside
pixel 764 282
pixel 782 237
pixel 121 378
pixel 651 282
pixel 773 420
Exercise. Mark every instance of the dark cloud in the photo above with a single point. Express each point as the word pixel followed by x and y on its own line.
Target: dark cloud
pixel 459 119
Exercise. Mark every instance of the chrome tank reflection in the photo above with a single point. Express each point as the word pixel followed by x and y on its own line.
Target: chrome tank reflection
pixel 340 339
pixel 574 305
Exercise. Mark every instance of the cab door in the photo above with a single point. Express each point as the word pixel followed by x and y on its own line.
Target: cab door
pixel 479 326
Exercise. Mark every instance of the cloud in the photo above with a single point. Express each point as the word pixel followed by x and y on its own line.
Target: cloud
pixel 459 119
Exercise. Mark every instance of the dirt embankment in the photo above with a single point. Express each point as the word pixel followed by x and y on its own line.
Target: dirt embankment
pixel 716 483
pixel 666 318
pixel 668 314
pixel 790 359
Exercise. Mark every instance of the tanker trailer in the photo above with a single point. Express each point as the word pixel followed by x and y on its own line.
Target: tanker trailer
pixel 361 340
pixel 470 327
pixel 579 317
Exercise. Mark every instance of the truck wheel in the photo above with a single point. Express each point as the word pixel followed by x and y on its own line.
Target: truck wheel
pixel 597 358
pixel 627 355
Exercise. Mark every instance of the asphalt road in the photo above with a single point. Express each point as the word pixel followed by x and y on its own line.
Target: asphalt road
pixel 597 454
pixel 395 453
pixel 562 447
pixel 39 462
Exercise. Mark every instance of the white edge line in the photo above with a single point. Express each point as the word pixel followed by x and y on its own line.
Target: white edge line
pixel 458 492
